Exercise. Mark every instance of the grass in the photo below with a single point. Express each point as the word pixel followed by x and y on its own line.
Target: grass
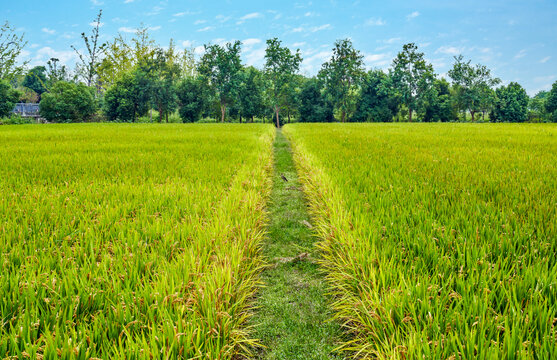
pixel 293 317
pixel 439 240
pixel 130 241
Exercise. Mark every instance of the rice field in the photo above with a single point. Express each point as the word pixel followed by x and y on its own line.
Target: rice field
pixel 439 241
pixel 130 241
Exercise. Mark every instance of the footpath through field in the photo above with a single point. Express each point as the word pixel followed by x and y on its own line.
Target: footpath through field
pixel 292 320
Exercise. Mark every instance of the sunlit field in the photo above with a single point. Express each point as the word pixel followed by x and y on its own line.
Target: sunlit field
pixel 439 241
pixel 130 241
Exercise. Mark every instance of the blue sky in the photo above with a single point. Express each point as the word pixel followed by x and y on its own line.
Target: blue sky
pixel 516 39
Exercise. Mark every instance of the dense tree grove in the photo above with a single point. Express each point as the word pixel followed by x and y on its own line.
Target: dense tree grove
pixel 131 80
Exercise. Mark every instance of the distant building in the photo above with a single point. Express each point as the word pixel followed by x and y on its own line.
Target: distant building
pixel 26 110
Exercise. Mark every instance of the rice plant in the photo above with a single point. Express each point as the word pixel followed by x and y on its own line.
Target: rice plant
pixel 439 240
pixel 122 241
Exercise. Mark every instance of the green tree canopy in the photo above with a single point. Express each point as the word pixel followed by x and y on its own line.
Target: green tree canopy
pixel 280 67
pixel 551 102
pixel 11 46
pixel 36 80
pixel 314 106
pixel 193 97
pixel 511 104
pixel 413 78
pixel 129 97
pixel 342 76
pixel 221 66
pixel 377 102
pixel 68 102
pixel 8 98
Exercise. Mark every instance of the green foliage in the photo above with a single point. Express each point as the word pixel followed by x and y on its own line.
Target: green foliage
pixel 412 78
pixel 472 85
pixel 281 66
pixel 221 66
pixel 11 46
pixel 68 102
pixel 438 240
pixel 251 102
pixel 129 97
pixel 16 119
pixel 8 98
pixel 164 73
pixel 131 242
pixel 89 61
pixel 36 80
pixel 377 101
pixel 551 102
pixel 342 76
pixel 511 104
pixel 314 106
pixel 440 105
pixel 193 97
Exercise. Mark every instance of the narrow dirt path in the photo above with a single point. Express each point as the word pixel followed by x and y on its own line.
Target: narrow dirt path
pixel 292 320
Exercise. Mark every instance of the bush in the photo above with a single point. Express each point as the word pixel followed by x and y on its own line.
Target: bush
pixel 68 102
pixel 511 104
pixel 8 98
pixel 16 119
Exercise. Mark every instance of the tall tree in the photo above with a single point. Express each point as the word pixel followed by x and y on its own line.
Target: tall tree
pixel 280 67
pixel 129 97
pixel 250 93
pixel 117 59
pixel 11 46
pixel 314 106
pixel 551 102
pixel 412 77
pixel 221 66
pixel 440 105
pixel 36 80
pixel 472 84
pixel 377 101
pixel 90 60
pixel 342 76
pixel 511 104
pixel 193 97
pixel 56 72
pixel 165 72
pixel 8 98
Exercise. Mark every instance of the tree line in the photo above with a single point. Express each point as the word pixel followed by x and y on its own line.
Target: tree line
pixel 126 81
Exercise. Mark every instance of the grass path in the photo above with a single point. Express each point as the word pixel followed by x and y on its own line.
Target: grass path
pixel 293 316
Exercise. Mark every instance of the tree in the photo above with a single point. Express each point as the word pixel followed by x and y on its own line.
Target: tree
pixel 440 106
pixel 68 102
pixel 314 106
pixel 90 60
pixel 164 72
pixel 551 102
pixel 56 73
pixel 129 97
pixel 117 60
pixel 250 93
pixel 413 78
pixel 536 107
pixel 221 66
pixel 511 104
pixel 11 46
pixel 472 84
pixel 193 97
pixel 36 80
pixel 280 67
pixel 377 101
pixel 342 76
pixel 8 98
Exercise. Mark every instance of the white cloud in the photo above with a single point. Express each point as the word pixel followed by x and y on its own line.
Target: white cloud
pixel 298 44
pixel 392 40
pixel 127 29
pixel 249 17
pixel 223 18
pixel 413 15
pixel 520 54
pixel 254 57
pixel 206 28
pixel 48 31
pixel 322 27
pixel 312 63
pixel 375 22
pixel 45 53
pixel 187 43
pixel 94 24
pixel 97 2
pixel 545 59
pixel 154 28
pixel 298 29
pixel 128 1
pixel 449 50
pixel 251 42
pixel 310 14
pixel 199 22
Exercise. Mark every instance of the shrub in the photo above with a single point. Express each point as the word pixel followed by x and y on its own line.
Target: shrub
pixel 8 98
pixel 68 102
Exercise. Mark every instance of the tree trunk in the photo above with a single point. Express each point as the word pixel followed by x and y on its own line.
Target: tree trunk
pixel 134 107
pixel 289 116
pixel 409 114
pixel 251 119
pixel 160 113
pixel 222 112
pixel 472 113
pixel 343 116
pixel 166 115
pixel 240 119
pixel 277 113
pixel 150 115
